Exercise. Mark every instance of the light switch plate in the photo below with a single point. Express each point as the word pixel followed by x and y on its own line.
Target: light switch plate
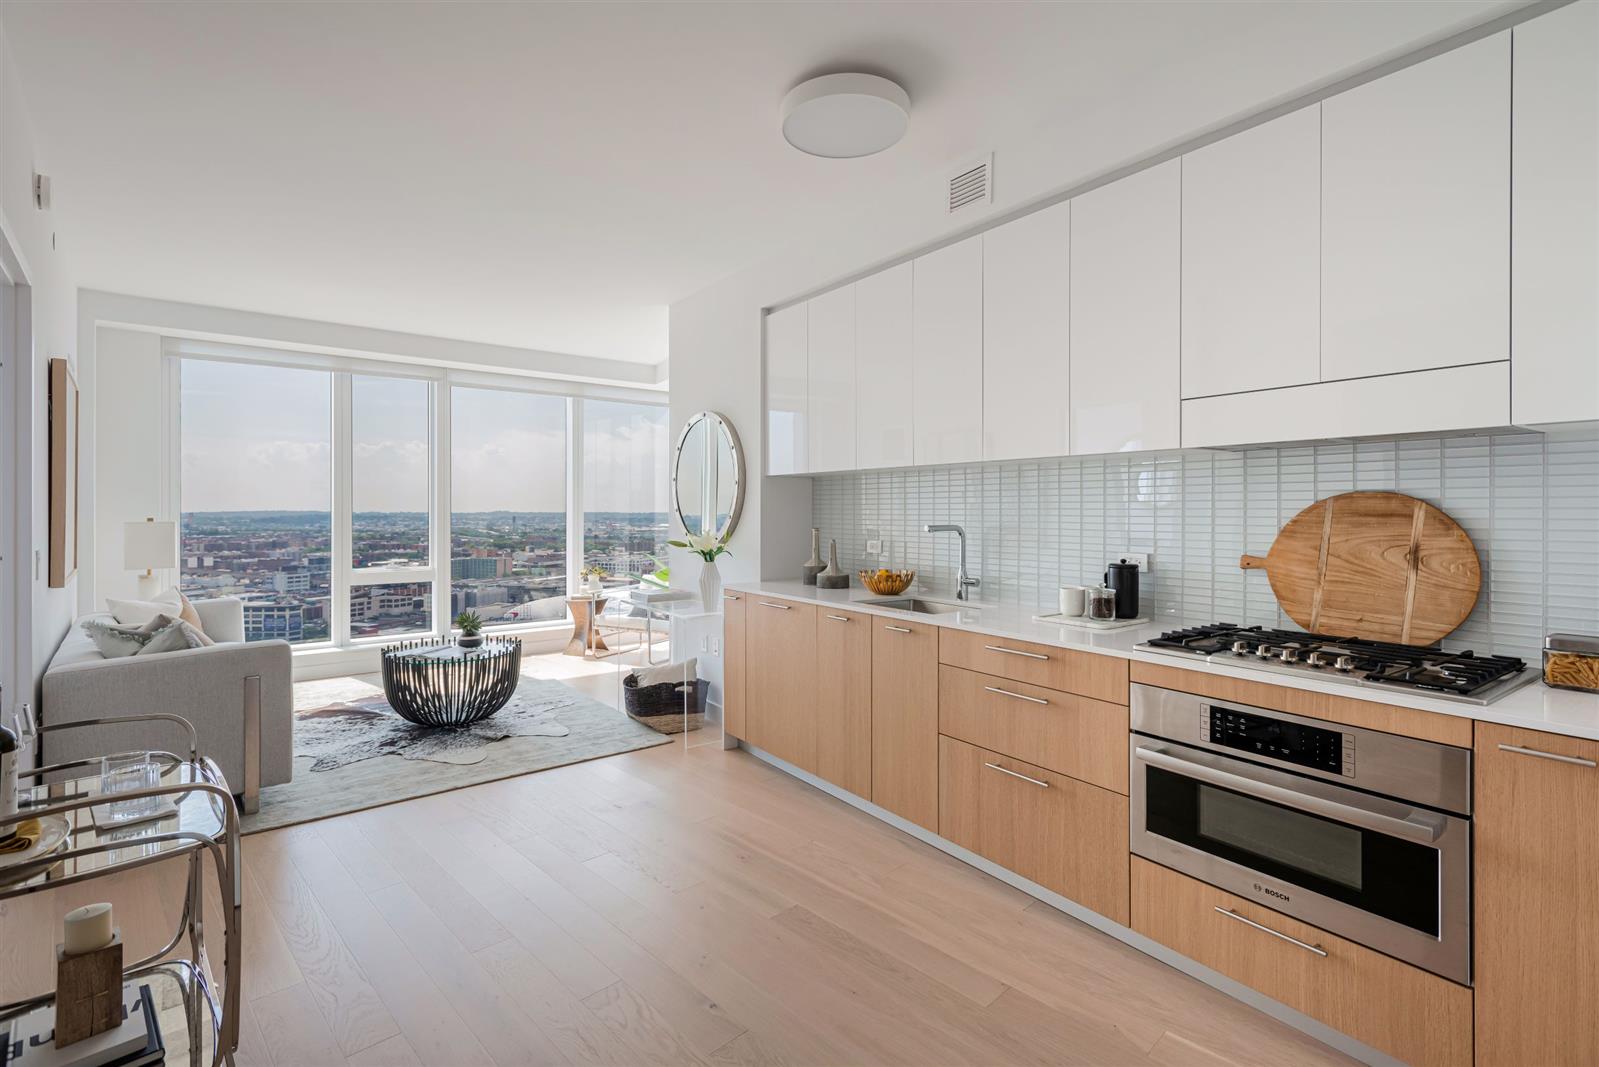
pixel 1140 558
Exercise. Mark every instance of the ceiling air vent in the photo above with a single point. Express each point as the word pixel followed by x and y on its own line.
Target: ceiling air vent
pixel 972 184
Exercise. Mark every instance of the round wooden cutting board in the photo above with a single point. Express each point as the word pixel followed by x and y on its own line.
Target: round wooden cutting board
pixel 1383 566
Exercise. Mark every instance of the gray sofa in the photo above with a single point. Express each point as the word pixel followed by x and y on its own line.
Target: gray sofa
pixel 238 696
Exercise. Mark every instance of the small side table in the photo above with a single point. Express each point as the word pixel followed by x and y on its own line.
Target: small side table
pixel 585 638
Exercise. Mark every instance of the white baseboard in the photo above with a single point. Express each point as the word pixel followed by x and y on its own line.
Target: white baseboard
pixel 1239 992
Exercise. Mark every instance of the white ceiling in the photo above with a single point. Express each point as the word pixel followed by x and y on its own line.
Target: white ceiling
pixel 553 176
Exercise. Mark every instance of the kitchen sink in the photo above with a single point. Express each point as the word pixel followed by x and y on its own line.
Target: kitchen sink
pixel 919 606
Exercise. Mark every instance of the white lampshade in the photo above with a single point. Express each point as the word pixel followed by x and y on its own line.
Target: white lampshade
pixel 149 545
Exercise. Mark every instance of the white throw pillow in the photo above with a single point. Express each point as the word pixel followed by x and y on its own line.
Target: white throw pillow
pixel 139 612
pixel 115 641
pixel 174 635
pixel 669 673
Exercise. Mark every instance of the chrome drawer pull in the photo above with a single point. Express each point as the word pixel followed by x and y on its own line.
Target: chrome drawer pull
pixel 769 604
pixel 899 629
pixel 1317 949
pixel 838 618
pixel 1013 774
pixel 1578 760
pixel 1018 696
pixel 1015 652
pixel 731 596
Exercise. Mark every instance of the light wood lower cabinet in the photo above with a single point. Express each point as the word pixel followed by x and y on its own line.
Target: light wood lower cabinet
pixel 1406 1012
pixel 905 720
pixel 844 699
pixel 1065 835
pixel 780 683
pixel 1537 929
pixel 1100 677
pixel 734 664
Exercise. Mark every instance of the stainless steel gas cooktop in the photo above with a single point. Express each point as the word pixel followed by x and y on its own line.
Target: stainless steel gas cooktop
pixel 1462 676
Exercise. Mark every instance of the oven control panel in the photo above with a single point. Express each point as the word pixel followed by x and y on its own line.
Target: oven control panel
pixel 1332 751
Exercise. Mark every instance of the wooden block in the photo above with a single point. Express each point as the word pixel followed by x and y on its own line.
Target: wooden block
pixel 88 991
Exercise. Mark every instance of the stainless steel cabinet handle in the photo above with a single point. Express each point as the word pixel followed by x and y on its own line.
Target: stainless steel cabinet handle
pixel 838 618
pixel 769 604
pixel 1015 652
pixel 1419 827
pixel 731 596
pixel 899 629
pixel 1018 696
pixel 1013 774
pixel 1578 760
pixel 1317 949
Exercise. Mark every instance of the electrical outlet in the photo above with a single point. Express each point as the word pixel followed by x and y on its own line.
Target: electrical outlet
pixel 1140 558
pixel 716 646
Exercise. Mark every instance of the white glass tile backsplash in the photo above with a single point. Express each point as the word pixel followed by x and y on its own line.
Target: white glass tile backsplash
pixel 1529 501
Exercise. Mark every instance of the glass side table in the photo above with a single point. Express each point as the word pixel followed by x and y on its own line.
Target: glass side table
pixel 202 825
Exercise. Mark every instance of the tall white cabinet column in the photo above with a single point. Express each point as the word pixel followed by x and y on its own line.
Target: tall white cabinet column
pixel 830 403
pixel 883 369
pixel 1125 310
pixel 1026 316
pixel 1554 297
pixel 947 352
pixel 787 390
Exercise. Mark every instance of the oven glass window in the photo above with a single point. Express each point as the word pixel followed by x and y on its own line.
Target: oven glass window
pixel 1316 846
pixel 1387 876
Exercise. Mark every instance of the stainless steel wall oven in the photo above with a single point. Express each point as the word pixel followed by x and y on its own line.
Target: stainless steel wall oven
pixel 1365 834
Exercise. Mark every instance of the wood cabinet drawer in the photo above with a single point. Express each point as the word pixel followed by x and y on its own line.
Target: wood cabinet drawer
pixel 1065 835
pixel 1064 732
pixel 1404 1011
pixel 1089 675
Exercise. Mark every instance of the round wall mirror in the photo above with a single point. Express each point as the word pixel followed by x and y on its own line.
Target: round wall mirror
pixel 708 476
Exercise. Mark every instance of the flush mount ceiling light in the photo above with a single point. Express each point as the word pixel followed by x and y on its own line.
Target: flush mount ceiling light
pixel 843 116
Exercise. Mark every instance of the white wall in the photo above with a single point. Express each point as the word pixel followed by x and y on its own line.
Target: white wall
pixel 130 456
pixel 47 300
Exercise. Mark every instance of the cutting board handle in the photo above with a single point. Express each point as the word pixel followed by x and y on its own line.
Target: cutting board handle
pixel 1252 563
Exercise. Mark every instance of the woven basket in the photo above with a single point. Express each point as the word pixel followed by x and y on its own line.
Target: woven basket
pixel 661 706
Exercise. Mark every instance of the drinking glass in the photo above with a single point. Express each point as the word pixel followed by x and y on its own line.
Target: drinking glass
pixel 127 772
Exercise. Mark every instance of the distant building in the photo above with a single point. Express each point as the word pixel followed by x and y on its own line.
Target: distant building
pixel 475 567
pixel 292 581
pixel 267 621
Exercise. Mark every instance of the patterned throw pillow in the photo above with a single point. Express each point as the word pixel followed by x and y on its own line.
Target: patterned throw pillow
pixel 172 635
pixel 115 641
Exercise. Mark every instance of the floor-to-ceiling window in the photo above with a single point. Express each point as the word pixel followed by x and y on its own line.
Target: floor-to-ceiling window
pixel 256 493
pixel 391 492
pixel 508 522
pixel 625 486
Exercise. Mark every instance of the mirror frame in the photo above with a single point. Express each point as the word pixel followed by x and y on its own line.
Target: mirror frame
pixel 721 423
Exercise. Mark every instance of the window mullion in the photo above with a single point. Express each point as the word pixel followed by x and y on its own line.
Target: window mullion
pixel 343 545
pixel 574 493
pixel 441 548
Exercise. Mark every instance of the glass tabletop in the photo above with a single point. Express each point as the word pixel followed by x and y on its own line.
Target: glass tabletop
pixel 93 843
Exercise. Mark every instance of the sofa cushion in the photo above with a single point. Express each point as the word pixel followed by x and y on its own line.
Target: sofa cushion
pixel 172 635
pixel 114 640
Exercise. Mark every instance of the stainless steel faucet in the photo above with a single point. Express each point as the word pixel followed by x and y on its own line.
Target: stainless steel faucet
pixel 963 581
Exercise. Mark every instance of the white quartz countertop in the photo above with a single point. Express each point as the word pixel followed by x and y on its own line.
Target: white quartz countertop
pixel 1534 706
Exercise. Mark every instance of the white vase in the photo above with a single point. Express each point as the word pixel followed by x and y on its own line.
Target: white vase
pixel 710 586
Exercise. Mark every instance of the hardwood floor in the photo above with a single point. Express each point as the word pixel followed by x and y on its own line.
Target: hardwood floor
pixel 665 906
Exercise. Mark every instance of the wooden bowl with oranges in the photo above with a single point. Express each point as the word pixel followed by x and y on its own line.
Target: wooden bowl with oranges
pixel 886 582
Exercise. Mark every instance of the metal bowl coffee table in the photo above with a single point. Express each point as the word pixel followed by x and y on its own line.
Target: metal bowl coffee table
pixel 449 687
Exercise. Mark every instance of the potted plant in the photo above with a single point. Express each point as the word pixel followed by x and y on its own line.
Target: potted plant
pixel 707 547
pixel 471 626
pixel 592 577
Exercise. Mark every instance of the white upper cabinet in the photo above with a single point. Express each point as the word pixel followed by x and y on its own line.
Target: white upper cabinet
pixel 1554 344
pixel 787 386
pixel 1026 365
pixel 1125 309
pixel 1416 216
pixel 947 353
pixel 1251 255
pixel 883 369
pixel 831 406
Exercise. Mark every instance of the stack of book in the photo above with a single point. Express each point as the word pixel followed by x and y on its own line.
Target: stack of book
pixel 30 1041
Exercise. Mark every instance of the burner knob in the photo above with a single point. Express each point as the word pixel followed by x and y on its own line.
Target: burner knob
pixel 1317 659
pixel 1265 651
pixel 1240 648
pixel 1345 663
pixel 1289 655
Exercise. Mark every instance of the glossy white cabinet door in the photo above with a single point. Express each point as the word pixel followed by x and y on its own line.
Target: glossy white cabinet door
pixel 883 369
pixel 1026 316
pixel 831 406
pixel 947 335
pixel 1416 216
pixel 1252 259
pixel 787 386
pixel 1125 307
pixel 1554 342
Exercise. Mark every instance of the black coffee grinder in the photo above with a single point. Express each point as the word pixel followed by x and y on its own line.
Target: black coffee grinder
pixel 1123 578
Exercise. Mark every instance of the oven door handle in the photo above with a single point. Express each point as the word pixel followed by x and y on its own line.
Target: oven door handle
pixel 1411 829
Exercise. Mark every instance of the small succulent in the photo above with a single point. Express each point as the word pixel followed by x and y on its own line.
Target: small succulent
pixel 470 623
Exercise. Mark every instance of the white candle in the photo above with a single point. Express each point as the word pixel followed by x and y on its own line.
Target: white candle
pixel 86 929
